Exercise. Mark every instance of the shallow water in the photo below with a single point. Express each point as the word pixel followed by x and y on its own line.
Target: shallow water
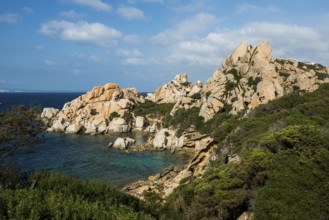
pixel 89 158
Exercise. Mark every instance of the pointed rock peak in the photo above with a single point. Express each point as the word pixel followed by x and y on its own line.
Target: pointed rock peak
pixel 244 52
pixel 181 78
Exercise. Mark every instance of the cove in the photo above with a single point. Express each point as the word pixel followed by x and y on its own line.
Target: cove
pixel 89 158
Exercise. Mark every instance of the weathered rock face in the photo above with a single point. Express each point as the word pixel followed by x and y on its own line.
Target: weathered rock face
pixel 90 113
pixel 251 76
pixel 175 90
pixel 48 114
pixel 165 182
pixel 123 143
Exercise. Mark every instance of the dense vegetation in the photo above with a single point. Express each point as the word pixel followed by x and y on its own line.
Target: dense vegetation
pixel 281 167
pixel 56 196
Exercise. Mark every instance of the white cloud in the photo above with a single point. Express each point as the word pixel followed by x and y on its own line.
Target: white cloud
pixel 250 8
pixel 9 18
pixel 95 4
pixel 72 14
pixel 50 63
pixel 132 39
pixel 128 53
pixel 28 10
pixel 131 13
pixel 185 28
pixel 93 33
pixel 287 41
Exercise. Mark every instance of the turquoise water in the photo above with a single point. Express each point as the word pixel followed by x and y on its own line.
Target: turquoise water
pixel 89 158
pixel 86 157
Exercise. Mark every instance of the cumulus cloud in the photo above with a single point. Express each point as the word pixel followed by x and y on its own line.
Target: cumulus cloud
pixel 72 14
pixel 84 32
pixel 9 18
pixel 287 41
pixel 185 28
pixel 131 13
pixel 95 4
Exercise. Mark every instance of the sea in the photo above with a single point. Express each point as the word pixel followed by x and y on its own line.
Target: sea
pixel 83 156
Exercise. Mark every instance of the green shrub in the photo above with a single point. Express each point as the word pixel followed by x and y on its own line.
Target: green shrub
pixel 196 96
pixel 93 112
pixel 114 115
pixel 57 196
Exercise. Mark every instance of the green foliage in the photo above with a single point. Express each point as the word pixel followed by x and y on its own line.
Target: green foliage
pixel 222 193
pixel 185 118
pixel 128 117
pixel 19 128
pixel 166 133
pixel 60 197
pixel 153 109
pixel 283 168
pixel 114 115
pixel 196 96
pixel 321 75
pixel 253 82
pixel 93 112
pixel 208 94
pixel 284 74
pixel 297 187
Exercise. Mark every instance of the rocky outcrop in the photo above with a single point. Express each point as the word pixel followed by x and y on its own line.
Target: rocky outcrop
pixel 175 90
pixel 123 143
pixel 251 76
pixel 165 182
pixel 48 114
pixel 92 112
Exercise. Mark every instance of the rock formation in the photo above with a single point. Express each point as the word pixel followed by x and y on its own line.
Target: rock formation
pixel 251 76
pixel 175 90
pixel 123 143
pixel 92 112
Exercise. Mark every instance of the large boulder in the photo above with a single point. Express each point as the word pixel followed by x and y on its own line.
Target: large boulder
pixel 118 125
pixel 164 139
pixel 123 143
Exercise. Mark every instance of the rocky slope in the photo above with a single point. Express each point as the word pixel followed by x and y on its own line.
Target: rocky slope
pixel 100 110
pixel 250 76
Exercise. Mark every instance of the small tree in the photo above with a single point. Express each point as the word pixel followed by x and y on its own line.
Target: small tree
pixel 19 128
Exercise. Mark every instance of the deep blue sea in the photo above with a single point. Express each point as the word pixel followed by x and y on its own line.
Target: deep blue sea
pixel 83 156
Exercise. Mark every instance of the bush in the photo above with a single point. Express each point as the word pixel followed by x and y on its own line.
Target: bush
pixel 93 112
pixel 114 115
pixel 196 96
pixel 57 196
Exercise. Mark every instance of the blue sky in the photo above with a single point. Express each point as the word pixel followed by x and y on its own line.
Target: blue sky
pixel 75 45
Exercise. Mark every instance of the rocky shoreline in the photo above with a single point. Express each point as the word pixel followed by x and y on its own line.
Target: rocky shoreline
pixel 249 77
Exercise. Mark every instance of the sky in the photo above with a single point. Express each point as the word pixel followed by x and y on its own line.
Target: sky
pixel 75 45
